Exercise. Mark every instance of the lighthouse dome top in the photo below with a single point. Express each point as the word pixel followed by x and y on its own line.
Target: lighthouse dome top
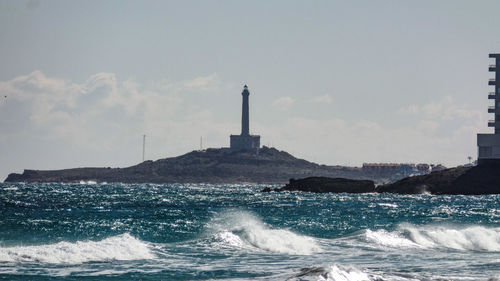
pixel 245 91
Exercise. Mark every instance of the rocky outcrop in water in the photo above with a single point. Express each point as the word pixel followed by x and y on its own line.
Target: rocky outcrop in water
pixel 481 179
pixel 477 180
pixel 325 185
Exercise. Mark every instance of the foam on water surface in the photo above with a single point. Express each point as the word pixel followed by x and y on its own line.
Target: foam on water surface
pixel 121 247
pixel 337 272
pixel 214 232
pixel 472 238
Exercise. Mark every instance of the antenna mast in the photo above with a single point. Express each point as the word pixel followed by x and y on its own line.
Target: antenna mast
pixel 143 146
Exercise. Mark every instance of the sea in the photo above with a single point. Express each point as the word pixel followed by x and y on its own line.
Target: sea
pixel 101 231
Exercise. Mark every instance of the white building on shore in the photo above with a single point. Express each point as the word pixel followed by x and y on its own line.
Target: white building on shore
pixel 489 144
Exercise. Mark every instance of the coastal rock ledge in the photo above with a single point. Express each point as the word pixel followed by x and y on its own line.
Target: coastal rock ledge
pixel 477 180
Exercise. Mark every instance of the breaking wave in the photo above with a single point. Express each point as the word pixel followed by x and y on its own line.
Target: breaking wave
pixel 241 229
pixel 473 238
pixel 120 247
pixel 89 182
pixel 336 273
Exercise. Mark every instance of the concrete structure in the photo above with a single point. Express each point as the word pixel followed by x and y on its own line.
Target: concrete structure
pixel 245 141
pixel 489 144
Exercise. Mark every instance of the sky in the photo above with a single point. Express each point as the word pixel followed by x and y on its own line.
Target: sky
pixel 333 82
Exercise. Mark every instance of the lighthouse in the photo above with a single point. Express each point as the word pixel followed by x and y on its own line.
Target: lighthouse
pixel 489 144
pixel 245 141
pixel 245 126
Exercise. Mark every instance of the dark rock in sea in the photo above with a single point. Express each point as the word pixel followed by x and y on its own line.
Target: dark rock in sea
pixel 324 185
pixel 477 180
pixel 267 189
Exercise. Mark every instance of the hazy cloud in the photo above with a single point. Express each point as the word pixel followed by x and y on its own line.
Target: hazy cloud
pixel 102 114
pixel 355 142
pixel 283 103
pixel 427 126
pixel 203 83
pixel 324 99
pixel 445 109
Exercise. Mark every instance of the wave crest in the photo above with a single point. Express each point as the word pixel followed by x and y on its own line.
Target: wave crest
pixel 474 238
pixel 120 247
pixel 241 229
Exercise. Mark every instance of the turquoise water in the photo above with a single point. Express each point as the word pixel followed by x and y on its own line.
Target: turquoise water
pixel 207 232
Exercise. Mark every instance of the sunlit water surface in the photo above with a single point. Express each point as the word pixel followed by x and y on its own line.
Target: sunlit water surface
pixel 205 232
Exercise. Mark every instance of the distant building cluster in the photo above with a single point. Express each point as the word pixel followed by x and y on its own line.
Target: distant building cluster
pixel 400 168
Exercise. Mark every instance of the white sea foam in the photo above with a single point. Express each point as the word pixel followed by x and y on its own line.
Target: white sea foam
pixel 228 238
pixel 388 205
pixel 385 238
pixel 334 273
pixel 89 182
pixel 121 247
pixel 473 238
pixel 243 229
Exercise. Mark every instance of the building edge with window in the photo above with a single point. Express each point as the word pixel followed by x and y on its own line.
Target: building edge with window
pixel 489 144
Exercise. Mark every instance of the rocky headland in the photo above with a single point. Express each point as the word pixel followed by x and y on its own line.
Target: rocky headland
pixel 476 180
pixel 271 166
pixel 222 165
